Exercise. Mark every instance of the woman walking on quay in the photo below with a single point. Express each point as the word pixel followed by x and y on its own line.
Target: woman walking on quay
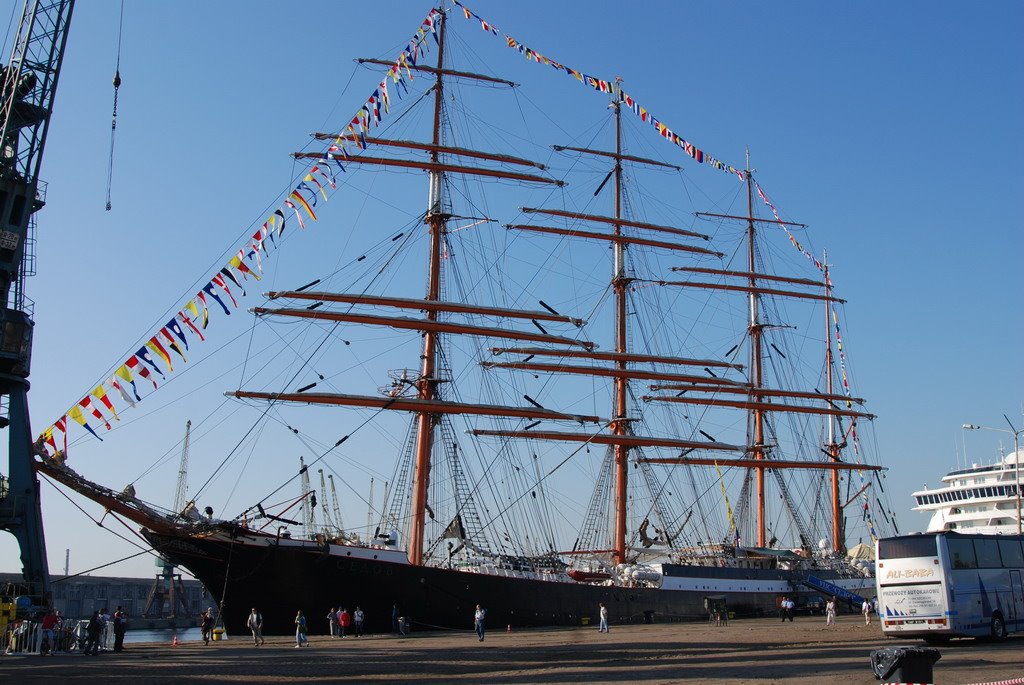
pixel 300 631
pixel 830 612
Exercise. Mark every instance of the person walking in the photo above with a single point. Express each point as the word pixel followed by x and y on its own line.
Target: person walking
pixel 300 631
pixel 357 620
pixel 120 626
pixel 603 627
pixel 830 612
pixel 478 621
pixel 865 609
pixel 394 618
pixel 332 622
pixel 92 632
pixel 255 624
pixel 206 625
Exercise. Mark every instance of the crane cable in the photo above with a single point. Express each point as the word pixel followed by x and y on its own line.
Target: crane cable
pixel 113 121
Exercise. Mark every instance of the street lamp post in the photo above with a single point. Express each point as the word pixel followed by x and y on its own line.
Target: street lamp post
pixel 1016 456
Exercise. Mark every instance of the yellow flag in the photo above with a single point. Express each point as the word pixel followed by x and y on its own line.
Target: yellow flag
pixel 76 414
pixel 158 349
pixel 124 374
pixel 101 394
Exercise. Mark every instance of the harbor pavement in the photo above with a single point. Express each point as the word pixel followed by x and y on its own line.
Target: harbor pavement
pixel 746 651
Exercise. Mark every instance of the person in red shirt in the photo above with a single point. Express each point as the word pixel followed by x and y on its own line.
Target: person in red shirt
pixel 344 620
pixel 50 622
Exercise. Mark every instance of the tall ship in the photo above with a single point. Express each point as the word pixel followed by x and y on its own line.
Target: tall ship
pixel 978 499
pixel 584 378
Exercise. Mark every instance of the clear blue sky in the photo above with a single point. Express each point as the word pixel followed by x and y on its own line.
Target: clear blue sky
pixel 892 129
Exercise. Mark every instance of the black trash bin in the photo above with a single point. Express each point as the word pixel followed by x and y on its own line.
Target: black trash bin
pixel 904 664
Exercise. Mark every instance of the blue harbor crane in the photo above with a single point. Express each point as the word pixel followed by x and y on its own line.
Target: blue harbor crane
pixel 29 83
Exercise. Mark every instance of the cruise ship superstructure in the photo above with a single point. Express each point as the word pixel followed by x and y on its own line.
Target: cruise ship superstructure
pixel 979 499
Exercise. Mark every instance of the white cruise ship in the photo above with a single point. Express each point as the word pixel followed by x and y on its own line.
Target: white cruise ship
pixel 980 499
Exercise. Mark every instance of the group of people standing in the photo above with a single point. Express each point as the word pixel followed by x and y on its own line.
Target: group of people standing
pixel 338 622
pixel 786 608
pixel 341 620
pixel 97 630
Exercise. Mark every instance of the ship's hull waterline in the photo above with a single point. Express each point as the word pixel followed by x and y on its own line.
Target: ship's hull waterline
pixel 280 578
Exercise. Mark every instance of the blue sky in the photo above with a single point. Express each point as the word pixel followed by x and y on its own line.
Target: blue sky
pixel 891 129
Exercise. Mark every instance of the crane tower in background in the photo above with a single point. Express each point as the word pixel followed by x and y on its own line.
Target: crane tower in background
pixel 28 84
pixel 167 597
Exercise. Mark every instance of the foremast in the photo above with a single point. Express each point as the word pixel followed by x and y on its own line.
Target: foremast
pixel 426 386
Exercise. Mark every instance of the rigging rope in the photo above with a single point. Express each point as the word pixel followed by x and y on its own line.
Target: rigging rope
pixel 113 120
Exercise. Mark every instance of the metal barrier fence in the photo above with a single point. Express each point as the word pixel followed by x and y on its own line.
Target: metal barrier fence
pixel 23 637
pixel 28 637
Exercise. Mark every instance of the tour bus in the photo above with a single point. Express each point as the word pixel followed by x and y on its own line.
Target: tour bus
pixel 937 586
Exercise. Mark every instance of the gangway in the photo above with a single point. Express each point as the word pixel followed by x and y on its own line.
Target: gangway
pixel 831 590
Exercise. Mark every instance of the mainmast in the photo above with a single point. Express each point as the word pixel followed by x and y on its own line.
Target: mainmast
pixel 620 423
pixel 832 446
pixel 426 387
pixel 756 376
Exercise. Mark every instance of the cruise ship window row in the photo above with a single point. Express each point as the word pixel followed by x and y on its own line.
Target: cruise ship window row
pixel 972 493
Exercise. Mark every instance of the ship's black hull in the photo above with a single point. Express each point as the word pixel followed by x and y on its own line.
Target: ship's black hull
pixel 280 580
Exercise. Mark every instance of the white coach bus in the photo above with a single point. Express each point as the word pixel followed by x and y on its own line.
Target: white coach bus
pixel 937 586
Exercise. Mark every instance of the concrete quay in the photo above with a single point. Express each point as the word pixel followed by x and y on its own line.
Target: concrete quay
pixel 748 651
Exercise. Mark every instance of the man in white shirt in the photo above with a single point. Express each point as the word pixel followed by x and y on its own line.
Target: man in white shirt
pixel 478 622
pixel 255 624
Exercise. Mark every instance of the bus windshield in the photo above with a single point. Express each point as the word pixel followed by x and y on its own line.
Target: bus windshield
pixel 907 547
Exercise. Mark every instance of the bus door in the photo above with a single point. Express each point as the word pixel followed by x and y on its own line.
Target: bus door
pixel 1017 599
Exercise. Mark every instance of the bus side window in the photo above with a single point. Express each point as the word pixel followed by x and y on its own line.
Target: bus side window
pixel 1013 555
pixel 961 553
pixel 988 553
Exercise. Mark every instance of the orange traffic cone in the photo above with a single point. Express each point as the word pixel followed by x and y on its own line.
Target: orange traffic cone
pixel 174 642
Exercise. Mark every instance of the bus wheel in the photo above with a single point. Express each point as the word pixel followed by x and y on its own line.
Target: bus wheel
pixel 998 627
